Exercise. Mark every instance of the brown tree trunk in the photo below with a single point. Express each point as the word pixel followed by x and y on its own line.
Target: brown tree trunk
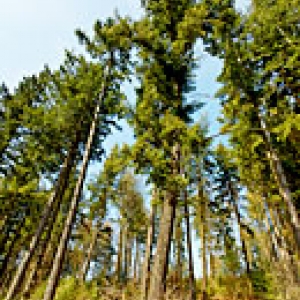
pixel 58 261
pixel 161 262
pixel 55 196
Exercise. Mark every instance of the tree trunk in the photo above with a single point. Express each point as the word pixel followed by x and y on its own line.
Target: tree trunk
pixel 159 273
pixel 148 253
pixel 161 262
pixel 58 261
pixel 55 196
pixel 192 283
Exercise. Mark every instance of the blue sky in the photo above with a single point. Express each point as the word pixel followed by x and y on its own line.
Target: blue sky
pixel 36 32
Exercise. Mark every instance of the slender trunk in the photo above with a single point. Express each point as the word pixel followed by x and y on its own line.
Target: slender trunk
pixel 58 261
pixel 148 253
pixel 161 262
pixel 55 196
pixel 86 263
pixel 192 283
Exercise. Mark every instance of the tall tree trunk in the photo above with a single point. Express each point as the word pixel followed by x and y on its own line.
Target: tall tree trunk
pixel 149 247
pixel 161 262
pixel 55 196
pixel 192 283
pixel 58 261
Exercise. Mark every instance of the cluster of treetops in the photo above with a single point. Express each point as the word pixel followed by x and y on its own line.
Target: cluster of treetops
pixel 234 205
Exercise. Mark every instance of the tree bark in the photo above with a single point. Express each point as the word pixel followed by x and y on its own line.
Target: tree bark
pixel 58 261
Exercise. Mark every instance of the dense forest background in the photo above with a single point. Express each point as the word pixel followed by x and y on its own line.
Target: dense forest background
pixel 187 209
